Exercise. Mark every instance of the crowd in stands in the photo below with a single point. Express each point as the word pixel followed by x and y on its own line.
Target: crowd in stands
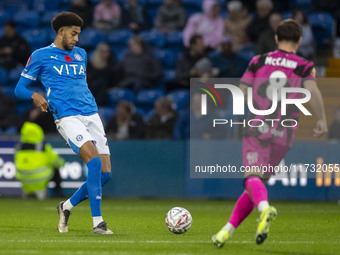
pixel 142 54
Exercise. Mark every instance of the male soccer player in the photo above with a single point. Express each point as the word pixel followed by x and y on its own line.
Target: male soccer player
pixel 267 145
pixel 61 67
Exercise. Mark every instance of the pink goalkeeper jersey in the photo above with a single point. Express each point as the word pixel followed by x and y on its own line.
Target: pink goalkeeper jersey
pixel 275 69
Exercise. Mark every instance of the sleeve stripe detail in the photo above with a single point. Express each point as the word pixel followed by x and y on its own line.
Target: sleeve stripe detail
pixel 29 77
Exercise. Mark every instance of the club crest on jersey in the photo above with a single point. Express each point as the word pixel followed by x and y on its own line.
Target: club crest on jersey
pixel 68 58
pixel 78 57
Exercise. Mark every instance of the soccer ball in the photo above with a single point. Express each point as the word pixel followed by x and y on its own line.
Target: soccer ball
pixel 178 220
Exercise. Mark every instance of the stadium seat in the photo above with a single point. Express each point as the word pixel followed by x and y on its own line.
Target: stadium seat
pixel 37 38
pixel 153 3
pixel 148 97
pixel 105 113
pixel 23 106
pixel 153 37
pixel 89 38
pixel 192 4
pixel 323 27
pixel 120 37
pixel 287 15
pixel 4 16
pixel 305 5
pixel 9 90
pixel 45 5
pixel 14 74
pixel 166 57
pixel 27 19
pixel 174 38
pixel 169 75
pixel 180 98
pixel 120 52
pixel 3 76
pixel 116 95
pixel 13 6
pixel 247 54
pixel 47 17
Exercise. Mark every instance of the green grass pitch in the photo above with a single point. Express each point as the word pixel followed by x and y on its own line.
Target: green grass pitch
pixel 29 227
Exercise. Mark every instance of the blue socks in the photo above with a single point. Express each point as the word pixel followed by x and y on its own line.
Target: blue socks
pixel 94 187
pixel 81 194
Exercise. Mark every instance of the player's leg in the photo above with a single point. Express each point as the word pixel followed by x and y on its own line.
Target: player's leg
pixel 82 194
pixel 254 153
pixel 269 213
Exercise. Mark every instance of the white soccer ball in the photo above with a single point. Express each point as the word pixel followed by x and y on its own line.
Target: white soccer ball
pixel 178 220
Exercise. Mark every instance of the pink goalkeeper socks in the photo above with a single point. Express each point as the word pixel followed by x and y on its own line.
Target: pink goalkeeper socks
pixel 256 190
pixel 243 207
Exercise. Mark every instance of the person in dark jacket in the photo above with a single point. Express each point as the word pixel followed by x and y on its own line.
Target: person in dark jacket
pixel 125 124
pixel 14 50
pixel 170 16
pixel 139 69
pixel 134 16
pixel 162 123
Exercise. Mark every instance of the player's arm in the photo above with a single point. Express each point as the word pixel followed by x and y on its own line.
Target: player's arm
pixel 22 91
pixel 316 102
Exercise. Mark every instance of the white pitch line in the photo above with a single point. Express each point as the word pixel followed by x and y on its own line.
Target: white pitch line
pixel 158 241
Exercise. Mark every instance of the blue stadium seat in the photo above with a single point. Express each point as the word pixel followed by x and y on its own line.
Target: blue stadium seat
pixel 105 113
pixel 192 4
pixel 305 5
pixel 152 13
pixel 23 106
pixel 148 97
pixel 166 57
pixel 116 95
pixel 180 98
pixel 152 3
pixel 14 74
pixel 37 38
pixel 45 5
pixel 47 17
pixel 4 16
pixel 27 19
pixel 9 90
pixel 120 52
pixel 13 6
pixel 153 37
pixel 247 54
pixel 89 38
pixel 169 75
pixel 120 37
pixel 323 27
pixel 3 76
pixel 287 15
pixel 175 38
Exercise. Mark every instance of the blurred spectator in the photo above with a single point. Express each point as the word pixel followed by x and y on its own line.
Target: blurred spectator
pixel 107 15
pixel 204 70
pixel 36 162
pixel 307 46
pixel 209 24
pixel 260 21
pixel 236 24
pixel 186 62
pixel 229 64
pixel 161 124
pixel 125 124
pixel 44 119
pixel 84 9
pixel 170 16
pixel 100 72
pixel 329 6
pixel 334 129
pixel 139 69
pixel 134 16
pixel 14 50
pixel 266 41
pixel 8 113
